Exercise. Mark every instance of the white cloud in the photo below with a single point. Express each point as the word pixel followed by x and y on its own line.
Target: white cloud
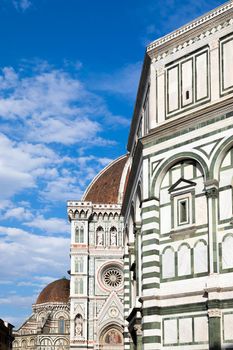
pixel 19 213
pixel 23 254
pixel 18 161
pixel 50 225
pixel 53 106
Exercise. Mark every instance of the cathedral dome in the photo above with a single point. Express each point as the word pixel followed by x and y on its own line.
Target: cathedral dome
pixel 57 291
pixel 108 186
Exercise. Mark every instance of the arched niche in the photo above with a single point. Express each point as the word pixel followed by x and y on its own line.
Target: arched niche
pixel 111 338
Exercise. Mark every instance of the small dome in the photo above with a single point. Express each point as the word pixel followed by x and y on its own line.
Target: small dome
pixel 57 291
pixel 106 186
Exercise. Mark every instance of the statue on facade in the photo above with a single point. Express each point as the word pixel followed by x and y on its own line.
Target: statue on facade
pixel 79 326
pixel 113 238
pixel 100 238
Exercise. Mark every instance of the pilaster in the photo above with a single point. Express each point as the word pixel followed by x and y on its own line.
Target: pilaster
pixel 211 190
pixel 151 334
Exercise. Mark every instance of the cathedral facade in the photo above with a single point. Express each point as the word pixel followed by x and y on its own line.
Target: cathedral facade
pixel 97 248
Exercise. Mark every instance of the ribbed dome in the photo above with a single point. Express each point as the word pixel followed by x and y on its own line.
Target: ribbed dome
pixel 106 185
pixel 57 291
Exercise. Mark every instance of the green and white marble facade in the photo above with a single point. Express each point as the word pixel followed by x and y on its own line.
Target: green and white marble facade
pixel 178 207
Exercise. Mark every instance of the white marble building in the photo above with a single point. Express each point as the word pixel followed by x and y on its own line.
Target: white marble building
pixel 96 310
pixel 178 208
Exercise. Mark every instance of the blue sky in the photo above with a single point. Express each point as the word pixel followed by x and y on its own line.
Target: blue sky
pixel 69 71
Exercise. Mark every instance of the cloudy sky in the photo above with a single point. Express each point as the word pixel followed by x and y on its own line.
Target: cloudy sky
pixel 69 71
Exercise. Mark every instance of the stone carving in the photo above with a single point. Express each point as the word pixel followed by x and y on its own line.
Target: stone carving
pixel 214 313
pixel 100 237
pixel 138 329
pixel 78 326
pixel 113 312
pixel 113 237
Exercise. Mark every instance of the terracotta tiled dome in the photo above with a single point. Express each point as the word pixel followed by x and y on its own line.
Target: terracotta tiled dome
pixel 106 185
pixel 57 291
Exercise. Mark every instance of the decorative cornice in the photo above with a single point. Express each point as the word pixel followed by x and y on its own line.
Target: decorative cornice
pixel 190 26
pixel 190 41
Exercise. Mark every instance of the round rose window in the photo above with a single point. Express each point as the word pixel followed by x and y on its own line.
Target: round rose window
pixel 112 277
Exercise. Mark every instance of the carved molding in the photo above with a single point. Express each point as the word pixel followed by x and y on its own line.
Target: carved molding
pixel 189 42
pixel 214 313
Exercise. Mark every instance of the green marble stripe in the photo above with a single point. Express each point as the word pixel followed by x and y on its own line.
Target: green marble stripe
pixel 150 286
pixel 150 275
pixel 151 264
pixel 150 208
pixel 151 325
pixel 149 242
pixel 150 220
pixel 150 230
pixel 176 309
pixel 151 253
pixel 151 339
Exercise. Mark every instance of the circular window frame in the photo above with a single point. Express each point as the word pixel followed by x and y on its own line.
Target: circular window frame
pixel 106 269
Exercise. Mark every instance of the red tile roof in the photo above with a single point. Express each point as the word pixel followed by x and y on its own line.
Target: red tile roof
pixel 105 186
pixel 57 291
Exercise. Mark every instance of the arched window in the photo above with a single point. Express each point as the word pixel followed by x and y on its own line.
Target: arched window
pixel 78 288
pixel 79 264
pixel 184 260
pixel 227 248
pixel 61 344
pixel 200 257
pixel 45 344
pixel 61 325
pixel 168 263
pixel 24 344
pixel 79 234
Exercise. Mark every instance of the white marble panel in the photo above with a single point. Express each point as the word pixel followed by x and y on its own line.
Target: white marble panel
pixel 201 210
pixel 225 204
pixel 200 258
pixel 188 172
pixel 165 219
pixel 168 263
pixel 228 329
pixel 184 261
pixel 185 330
pixel 201 329
pixel 227 255
pixel 170 331
pixel 173 95
pixel 227 64
pixel 201 76
pixel 187 82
